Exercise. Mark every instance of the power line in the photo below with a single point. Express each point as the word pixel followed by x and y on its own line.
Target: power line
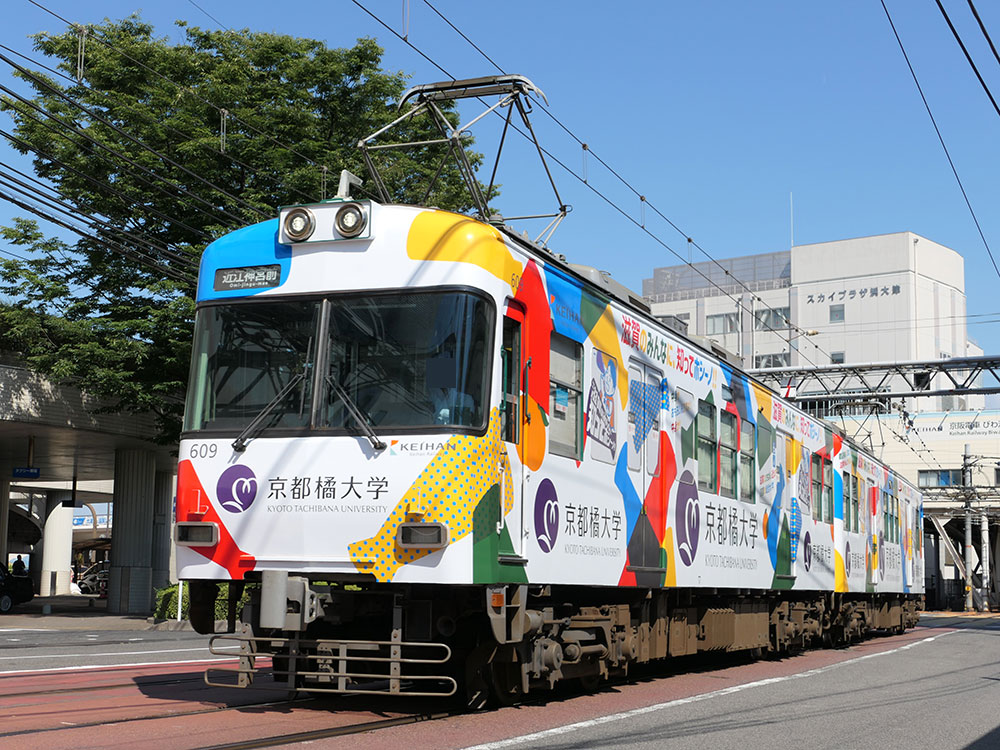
pixel 129 202
pixel 217 21
pixel 982 28
pixel 121 156
pixel 937 130
pixel 187 89
pixel 137 141
pixel 150 117
pixel 597 192
pixel 95 223
pixel 968 57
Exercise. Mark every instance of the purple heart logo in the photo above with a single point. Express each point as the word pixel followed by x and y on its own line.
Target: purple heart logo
pixel 237 488
pixel 807 551
pixel 546 515
pixel 687 522
pixel 847 559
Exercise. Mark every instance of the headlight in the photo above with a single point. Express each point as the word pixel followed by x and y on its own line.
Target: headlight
pixel 299 224
pixel 350 220
pixel 422 536
pixel 196 534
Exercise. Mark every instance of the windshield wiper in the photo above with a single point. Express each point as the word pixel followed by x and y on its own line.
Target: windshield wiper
pixel 358 415
pixel 240 443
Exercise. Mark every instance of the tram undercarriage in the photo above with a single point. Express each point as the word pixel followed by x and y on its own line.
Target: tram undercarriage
pixel 506 642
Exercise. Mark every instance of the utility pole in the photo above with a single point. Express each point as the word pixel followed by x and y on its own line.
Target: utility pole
pixel 984 530
pixel 967 486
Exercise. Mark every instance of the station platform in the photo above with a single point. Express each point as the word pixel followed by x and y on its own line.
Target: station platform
pixel 79 612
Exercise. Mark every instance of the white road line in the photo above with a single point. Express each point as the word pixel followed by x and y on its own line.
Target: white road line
pixel 566 729
pixel 114 653
pixel 27 630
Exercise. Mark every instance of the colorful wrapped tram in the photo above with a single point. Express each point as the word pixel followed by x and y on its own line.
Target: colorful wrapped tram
pixel 429 457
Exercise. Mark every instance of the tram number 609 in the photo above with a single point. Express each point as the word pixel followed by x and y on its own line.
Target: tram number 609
pixel 204 450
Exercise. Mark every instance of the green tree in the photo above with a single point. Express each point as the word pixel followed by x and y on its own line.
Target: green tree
pixel 142 146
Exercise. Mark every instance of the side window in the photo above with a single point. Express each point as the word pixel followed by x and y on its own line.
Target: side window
pixel 788 458
pixel 708 448
pixel 816 474
pixel 827 490
pixel 510 353
pixel 634 457
pixel 565 397
pixel 748 467
pixel 602 432
pixel 856 505
pixel 727 454
pixel 656 384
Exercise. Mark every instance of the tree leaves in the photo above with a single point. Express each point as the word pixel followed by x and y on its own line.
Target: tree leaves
pixel 137 149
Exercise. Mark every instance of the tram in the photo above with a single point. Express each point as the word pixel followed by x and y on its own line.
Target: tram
pixel 428 456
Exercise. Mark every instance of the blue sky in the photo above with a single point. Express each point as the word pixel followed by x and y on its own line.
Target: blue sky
pixel 715 111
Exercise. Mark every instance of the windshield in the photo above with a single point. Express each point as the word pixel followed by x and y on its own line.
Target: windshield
pixel 413 360
pixel 410 360
pixel 243 356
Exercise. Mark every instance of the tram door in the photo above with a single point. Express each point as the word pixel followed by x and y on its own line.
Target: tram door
pixel 645 398
pixel 512 432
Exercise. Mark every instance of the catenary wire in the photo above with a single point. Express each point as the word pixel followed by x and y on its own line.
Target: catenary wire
pixel 598 193
pixel 982 28
pixel 937 130
pixel 968 57
pixel 187 89
pixel 137 141
pixel 105 147
pixel 152 117
pixel 96 223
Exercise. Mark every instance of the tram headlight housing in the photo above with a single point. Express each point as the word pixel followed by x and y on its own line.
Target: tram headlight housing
pixel 300 223
pixel 351 220
pixel 422 536
pixel 196 533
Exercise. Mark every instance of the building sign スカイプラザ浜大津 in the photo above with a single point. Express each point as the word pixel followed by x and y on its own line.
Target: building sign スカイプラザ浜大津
pixel 849 294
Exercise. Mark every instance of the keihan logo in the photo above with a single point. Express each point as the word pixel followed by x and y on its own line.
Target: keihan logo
pixel 237 488
pixel 546 515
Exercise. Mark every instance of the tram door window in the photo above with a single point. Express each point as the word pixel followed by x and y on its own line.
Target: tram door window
pixel 510 355
pixel 512 427
pixel 646 557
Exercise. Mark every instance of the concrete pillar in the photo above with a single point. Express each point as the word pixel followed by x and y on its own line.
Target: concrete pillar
pixel 4 519
pixel 57 545
pixel 163 493
pixel 130 586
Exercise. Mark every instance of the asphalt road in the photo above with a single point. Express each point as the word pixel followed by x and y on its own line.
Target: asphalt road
pixel 939 692
pixel 24 649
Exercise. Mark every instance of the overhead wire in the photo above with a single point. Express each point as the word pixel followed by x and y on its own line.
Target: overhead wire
pixel 968 57
pixel 94 116
pixel 84 233
pixel 187 89
pixel 103 146
pixel 982 28
pixel 151 117
pixel 95 222
pixel 104 186
pixel 937 130
pixel 597 192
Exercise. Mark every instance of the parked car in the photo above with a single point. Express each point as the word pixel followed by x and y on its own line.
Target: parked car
pixel 14 590
pixel 94 578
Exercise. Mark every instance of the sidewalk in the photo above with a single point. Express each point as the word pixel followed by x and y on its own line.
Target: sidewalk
pixel 79 612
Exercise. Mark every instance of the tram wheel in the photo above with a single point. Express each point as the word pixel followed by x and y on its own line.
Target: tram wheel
pixel 505 676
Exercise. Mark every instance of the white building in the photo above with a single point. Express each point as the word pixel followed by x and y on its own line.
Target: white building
pixel 894 297
pixel 889 298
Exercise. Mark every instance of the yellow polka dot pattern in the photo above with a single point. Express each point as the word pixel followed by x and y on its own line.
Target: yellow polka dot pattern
pixel 447 491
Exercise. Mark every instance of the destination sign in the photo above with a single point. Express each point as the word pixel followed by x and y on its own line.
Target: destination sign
pixel 249 277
